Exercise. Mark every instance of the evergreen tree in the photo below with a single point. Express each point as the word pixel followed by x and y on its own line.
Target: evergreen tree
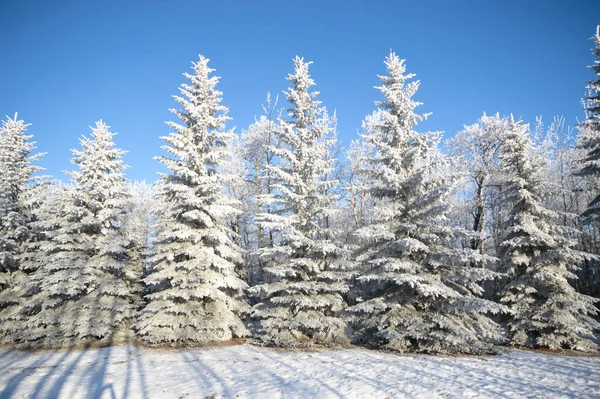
pixel 539 258
pixel 194 295
pixel 86 291
pixel 299 300
pixel 18 186
pixel 589 139
pixel 420 294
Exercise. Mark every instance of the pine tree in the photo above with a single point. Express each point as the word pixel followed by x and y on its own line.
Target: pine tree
pixel 300 299
pixel 539 258
pixel 420 294
pixel 589 139
pixel 194 295
pixel 86 291
pixel 18 186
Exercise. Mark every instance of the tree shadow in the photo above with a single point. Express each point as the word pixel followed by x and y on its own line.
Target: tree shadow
pixel 57 386
pixel 211 366
pixel 139 364
pixel 15 381
pixel 90 373
pixel 300 377
pixel 9 356
pixel 205 374
pixel 93 376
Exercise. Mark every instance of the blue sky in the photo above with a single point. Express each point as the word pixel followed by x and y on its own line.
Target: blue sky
pixel 66 64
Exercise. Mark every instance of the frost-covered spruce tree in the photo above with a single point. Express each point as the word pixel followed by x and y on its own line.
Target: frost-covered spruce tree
pixel 18 184
pixel 195 297
pixel 420 294
pixel 299 301
pixel 47 215
pixel 589 139
pixel 32 257
pixel 538 254
pixel 86 292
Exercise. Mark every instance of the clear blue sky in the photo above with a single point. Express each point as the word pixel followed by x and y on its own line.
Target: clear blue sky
pixel 66 64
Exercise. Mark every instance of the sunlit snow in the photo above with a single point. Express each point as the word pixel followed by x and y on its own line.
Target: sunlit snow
pixel 252 372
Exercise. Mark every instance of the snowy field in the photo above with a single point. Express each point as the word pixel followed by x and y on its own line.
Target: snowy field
pixel 245 371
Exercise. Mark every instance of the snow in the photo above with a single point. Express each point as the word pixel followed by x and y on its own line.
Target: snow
pixel 246 371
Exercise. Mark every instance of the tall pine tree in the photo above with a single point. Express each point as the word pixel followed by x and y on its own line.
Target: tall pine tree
pixel 86 292
pixel 194 295
pixel 299 301
pixel 538 255
pixel 420 294
pixel 18 185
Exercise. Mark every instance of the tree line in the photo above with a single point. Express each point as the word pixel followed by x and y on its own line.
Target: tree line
pixel 279 236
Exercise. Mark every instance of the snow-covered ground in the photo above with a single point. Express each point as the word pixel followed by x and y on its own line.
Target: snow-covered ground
pixel 247 371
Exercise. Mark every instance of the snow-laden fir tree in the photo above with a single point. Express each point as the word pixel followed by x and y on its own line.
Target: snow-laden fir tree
pixel 45 211
pixel 299 301
pixel 589 139
pixel 195 296
pixel 538 255
pixel 18 186
pixel 87 289
pixel 420 294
